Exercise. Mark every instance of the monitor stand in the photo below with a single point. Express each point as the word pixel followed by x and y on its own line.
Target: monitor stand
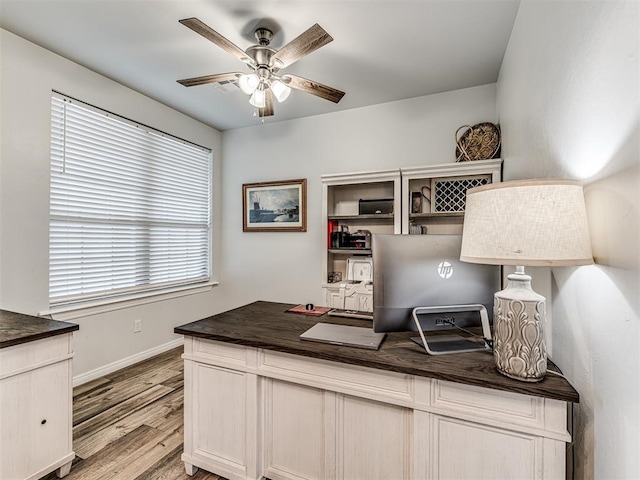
pixel 444 344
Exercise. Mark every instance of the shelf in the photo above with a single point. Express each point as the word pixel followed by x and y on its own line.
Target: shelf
pixel 436 215
pixel 351 251
pixel 352 218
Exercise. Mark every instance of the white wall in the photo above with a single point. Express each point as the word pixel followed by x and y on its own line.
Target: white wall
pixel 287 267
pixel 569 103
pixel 28 75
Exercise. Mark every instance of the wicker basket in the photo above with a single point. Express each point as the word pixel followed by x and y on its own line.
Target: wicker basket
pixel 480 142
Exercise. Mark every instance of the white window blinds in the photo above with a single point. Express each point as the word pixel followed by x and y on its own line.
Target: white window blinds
pixel 129 207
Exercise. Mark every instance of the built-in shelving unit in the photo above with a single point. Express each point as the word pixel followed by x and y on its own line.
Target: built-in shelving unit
pixel 439 209
pixel 441 190
pixel 343 220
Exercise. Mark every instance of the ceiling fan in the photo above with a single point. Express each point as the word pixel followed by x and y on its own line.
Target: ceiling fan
pixel 262 83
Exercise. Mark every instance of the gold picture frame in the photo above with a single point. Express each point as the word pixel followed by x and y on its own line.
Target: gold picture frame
pixel 279 206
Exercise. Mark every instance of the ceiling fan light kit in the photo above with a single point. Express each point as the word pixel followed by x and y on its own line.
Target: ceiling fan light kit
pixel 248 83
pixel 280 90
pixel 262 84
pixel 258 97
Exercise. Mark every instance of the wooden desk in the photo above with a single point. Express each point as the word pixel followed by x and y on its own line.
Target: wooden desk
pixel 260 402
pixel 35 396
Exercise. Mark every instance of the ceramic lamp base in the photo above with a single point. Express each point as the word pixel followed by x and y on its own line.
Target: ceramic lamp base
pixel 519 313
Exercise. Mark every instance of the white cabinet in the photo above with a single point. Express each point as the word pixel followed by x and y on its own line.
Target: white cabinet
pixel 433 197
pixel 220 422
pixel 36 408
pixel 253 413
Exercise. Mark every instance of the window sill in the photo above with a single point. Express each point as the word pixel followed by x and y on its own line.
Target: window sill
pixel 71 312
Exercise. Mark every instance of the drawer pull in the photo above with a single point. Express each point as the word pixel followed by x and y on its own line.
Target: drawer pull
pixel 43 421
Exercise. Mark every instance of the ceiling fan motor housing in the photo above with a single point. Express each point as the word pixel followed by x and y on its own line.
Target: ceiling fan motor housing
pixel 261 55
pixel 263 35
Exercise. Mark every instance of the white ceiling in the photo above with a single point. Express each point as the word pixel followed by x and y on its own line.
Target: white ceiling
pixel 382 50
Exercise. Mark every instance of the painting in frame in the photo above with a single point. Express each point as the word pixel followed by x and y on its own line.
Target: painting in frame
pixel 279 206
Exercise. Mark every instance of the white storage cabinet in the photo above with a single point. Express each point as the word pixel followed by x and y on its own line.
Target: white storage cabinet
pixel 36 408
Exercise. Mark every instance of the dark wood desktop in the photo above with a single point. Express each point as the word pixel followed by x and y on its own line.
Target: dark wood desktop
pixel 267 325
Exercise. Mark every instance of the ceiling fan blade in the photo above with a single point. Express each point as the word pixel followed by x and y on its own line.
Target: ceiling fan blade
pixel 220 77
pixel 267 111
pixel 305 43
pixel 213 36
pixel 314 88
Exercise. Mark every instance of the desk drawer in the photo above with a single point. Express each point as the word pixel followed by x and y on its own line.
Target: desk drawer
pixel 218 353
pixel 339 377
pixel 467 397
pixel 28 356
pixel 534 415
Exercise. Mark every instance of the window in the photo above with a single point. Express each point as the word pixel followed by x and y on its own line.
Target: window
pixel 130 207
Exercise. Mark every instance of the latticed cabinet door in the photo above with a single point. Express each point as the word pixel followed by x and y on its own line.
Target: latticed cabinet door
pixel 448 195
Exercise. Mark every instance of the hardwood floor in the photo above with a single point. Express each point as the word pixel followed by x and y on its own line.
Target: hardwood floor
pixel 129 425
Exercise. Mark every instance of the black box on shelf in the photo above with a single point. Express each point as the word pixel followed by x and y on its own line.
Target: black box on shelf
pixel 372 207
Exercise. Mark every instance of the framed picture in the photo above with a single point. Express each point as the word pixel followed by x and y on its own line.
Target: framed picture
pixel 275 206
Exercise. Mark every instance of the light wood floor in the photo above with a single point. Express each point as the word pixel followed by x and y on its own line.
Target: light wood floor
pixel 129 425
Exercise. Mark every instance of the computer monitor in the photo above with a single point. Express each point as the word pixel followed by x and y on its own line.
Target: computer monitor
pixel 425 270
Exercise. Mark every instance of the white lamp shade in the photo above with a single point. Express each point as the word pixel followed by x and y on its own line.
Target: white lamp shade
pixel 527 222
pixel 248 83
pixel 258 98
pixel 280 90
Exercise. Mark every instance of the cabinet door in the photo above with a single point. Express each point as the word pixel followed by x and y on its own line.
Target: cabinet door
pixel 464 450
pixel 298 431
pixel 35 420
pixel 374 440
pixel 219 425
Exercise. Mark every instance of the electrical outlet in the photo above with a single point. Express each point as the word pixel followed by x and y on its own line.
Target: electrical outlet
pixel 137 326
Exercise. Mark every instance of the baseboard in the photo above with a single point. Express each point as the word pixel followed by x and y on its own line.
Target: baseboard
pixel 126 362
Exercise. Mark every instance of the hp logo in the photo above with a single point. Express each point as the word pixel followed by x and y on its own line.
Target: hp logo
pixel 445 269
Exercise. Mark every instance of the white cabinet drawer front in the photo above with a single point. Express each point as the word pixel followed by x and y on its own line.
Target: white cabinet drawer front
pixel 26 356
pixel 367 382
pixel 220 353
pixel 488 405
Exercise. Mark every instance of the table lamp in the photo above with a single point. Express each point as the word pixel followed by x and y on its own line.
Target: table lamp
pixel 532 223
